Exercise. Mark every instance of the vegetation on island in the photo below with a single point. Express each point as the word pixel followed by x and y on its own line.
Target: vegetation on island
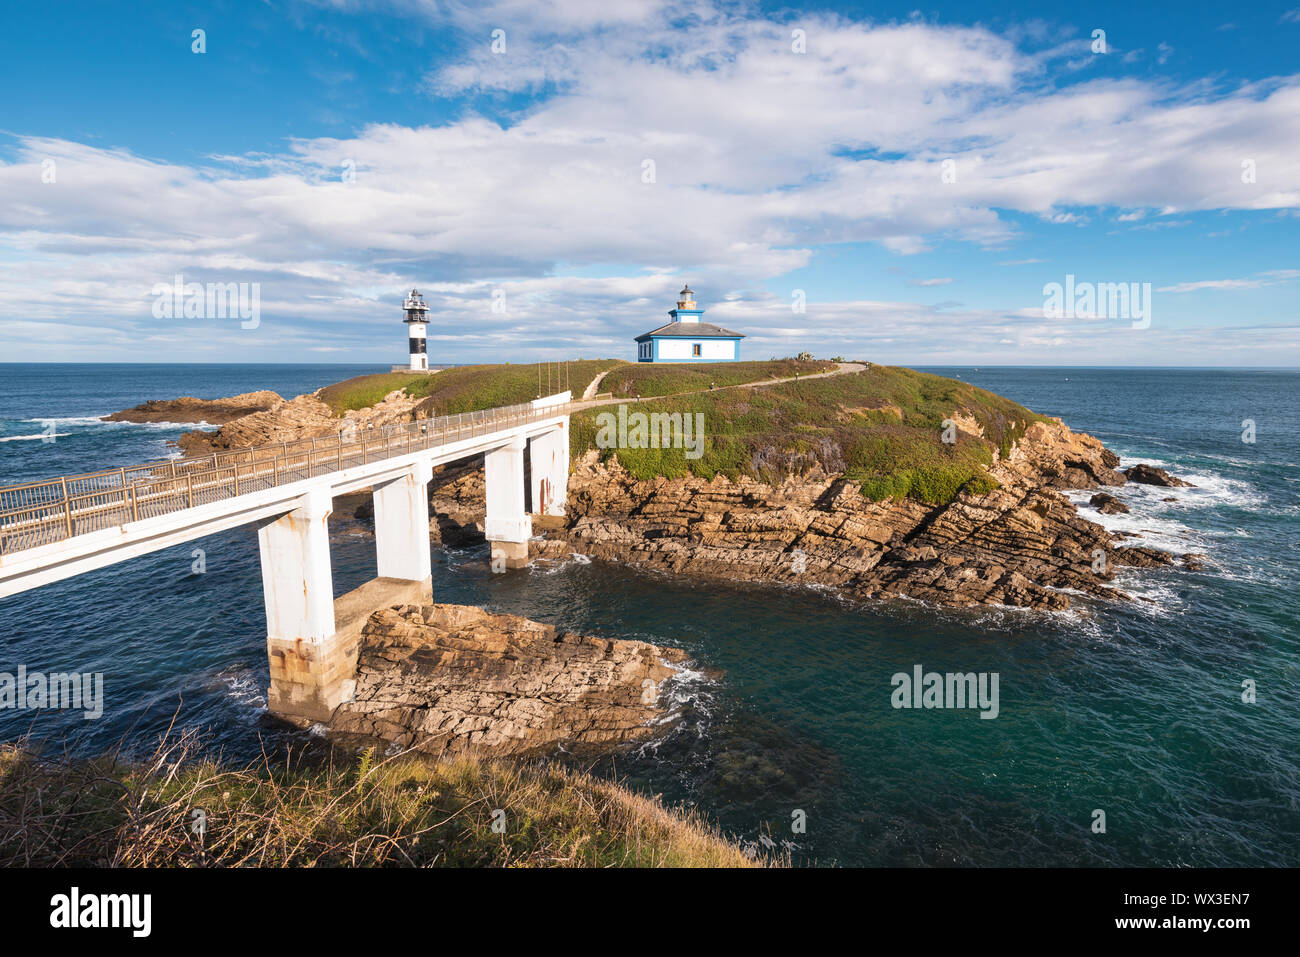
pixel 358 811
pixel 648 379
pixel 883 427
pixel 469 388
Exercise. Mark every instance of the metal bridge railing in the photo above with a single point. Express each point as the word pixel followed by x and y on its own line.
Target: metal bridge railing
pixel 38 513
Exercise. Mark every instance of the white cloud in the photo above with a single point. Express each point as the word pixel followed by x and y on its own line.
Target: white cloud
pixel 1274 276
pixel 762 158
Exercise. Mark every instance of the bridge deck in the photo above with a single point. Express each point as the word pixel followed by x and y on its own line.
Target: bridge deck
pixel 53 510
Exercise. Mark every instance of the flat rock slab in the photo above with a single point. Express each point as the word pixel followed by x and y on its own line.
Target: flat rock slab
pixel 450 679
pixel 189 409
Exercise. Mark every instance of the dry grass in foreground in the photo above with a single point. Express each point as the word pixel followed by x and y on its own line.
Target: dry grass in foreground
pixel 399 811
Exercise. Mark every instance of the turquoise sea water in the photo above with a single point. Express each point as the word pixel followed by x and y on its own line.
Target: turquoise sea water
pixel 1131 708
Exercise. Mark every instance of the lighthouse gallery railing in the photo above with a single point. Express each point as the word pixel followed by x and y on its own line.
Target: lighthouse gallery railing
pixel 51 510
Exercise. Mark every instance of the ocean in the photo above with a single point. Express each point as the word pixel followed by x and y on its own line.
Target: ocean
pixel 1134 709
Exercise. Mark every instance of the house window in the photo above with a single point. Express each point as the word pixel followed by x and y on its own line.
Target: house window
pixel 695 349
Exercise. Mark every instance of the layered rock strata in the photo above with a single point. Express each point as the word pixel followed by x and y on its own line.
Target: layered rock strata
pixel 451 679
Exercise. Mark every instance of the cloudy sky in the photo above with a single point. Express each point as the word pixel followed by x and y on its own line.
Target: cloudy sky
pixel 877 181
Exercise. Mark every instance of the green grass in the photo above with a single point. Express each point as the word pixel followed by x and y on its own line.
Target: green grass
pixel 648 379
pixel 365 390
pixel 881 427
pixel 350 812
pixel 468 388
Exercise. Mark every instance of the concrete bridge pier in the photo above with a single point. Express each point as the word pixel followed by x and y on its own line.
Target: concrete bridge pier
pixel 311 671
pixel 313 638
pixel 507 527
pixel 402 526
pixel 548 462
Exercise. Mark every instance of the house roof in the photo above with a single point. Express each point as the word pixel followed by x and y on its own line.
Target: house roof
pixel 691 330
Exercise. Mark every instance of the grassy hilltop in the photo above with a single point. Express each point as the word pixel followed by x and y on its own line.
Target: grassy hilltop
pixel 468 388
pixel 881 426
pixel 659 379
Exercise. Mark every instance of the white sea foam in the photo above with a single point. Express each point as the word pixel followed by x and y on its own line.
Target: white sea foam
pixel 1215 490
pixel 1161 524
pixel 34 438
pixel 1128 461
pixel 553 566
pixel 687 688
pixel 84 420
pixel 1157 596
pixel 244 689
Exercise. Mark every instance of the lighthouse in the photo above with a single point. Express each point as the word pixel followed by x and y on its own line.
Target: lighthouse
pixel 416 318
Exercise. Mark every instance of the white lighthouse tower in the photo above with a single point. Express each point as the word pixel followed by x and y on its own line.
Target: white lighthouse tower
pixel 416 318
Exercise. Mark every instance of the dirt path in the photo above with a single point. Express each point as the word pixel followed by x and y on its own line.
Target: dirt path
pixel 594 386
pixel 587 402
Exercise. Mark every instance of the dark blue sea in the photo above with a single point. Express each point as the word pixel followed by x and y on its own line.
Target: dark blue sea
pixel 1134 708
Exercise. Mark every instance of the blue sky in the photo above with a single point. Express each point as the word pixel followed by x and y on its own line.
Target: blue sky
pixel 337 153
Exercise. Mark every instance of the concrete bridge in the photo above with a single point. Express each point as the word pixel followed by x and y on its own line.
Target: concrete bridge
pixel 57 528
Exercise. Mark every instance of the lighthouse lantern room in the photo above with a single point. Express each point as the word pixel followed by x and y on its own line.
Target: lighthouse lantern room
pixel 416 319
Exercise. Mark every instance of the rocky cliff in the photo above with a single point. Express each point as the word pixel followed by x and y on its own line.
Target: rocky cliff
pixel 287 420
pixel 1022 544
pixel 450 679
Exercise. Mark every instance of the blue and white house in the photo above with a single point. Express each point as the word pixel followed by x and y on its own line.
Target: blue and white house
pixel 687 339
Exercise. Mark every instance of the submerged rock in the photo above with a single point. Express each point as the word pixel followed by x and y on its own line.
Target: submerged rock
pixel 1108 504
pixel 449 679
pixel 1150 475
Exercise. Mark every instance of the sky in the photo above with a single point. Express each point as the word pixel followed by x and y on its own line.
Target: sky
pixel 873 181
